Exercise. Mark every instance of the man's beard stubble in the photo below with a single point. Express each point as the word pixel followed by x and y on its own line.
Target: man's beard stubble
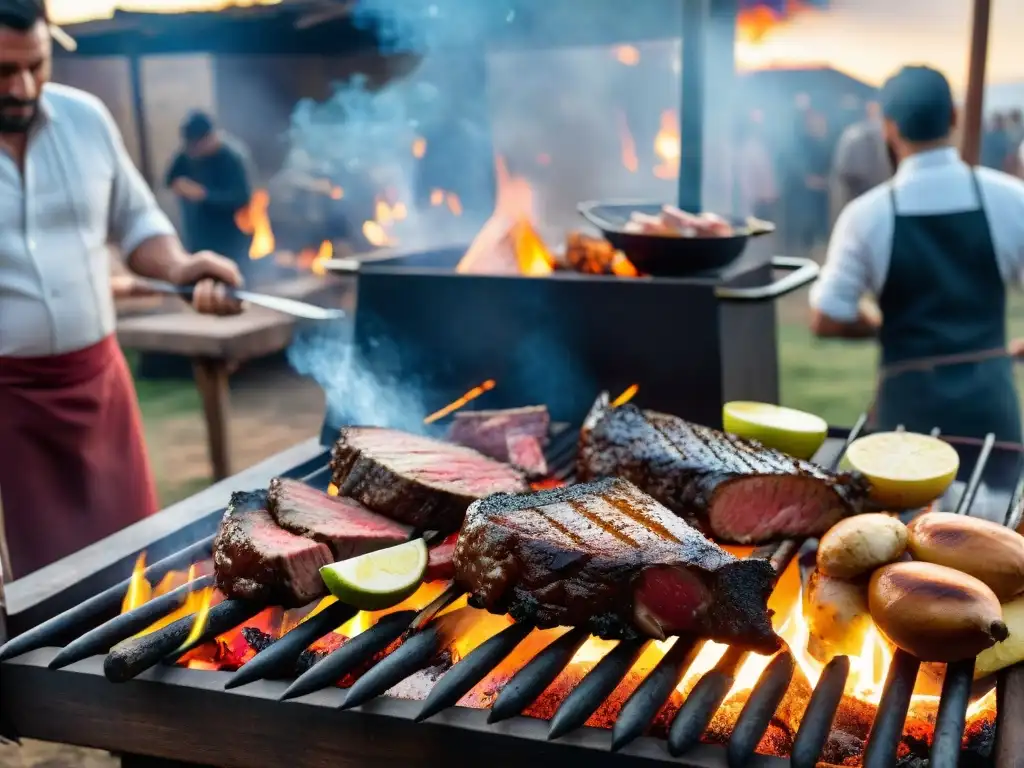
pixel 17 123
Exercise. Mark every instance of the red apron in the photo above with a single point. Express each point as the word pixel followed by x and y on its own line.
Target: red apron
pixel 73 466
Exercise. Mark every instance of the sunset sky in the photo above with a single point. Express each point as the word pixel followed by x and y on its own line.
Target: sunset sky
pixel 867 38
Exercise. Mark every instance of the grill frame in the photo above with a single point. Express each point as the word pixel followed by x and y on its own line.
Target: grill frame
pixel 163 703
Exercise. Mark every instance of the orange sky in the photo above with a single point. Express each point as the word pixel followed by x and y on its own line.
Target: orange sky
pixel 867 38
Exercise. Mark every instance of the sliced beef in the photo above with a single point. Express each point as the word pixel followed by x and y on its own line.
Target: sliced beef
pixel 255 559
pixel 440 565
pixel 489 431
pixel 424 483
pixel 526 453
pixel 608 557
pixel 735 490
pixel 344 525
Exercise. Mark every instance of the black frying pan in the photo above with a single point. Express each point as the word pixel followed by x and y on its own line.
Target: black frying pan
pixel 668 255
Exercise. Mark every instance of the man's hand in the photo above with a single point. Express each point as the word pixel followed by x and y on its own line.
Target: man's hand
pixel 188 189
pixel 1017 348
pixel 211 274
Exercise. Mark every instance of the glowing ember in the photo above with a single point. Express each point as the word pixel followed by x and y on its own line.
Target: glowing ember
pixel 316 260
pixel 666 146
pixel 253 220
pixel 419 148
pixel 626 396
pixel 472 394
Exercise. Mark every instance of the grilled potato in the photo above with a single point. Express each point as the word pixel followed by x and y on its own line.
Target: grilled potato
pixel 858 545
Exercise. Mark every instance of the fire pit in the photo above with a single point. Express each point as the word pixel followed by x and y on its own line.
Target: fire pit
pixel 434 681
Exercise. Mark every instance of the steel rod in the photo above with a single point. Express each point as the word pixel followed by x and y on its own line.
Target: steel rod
pixel 353 654
pixel 703 702
pixel 646 701
pixel 132 657
pixel 963 507
pixel 410 657
pixel 278 659
pixel 952 716
pixel 125 625
pixel 232 614
pixel 891 715
pixel 461 678
pixel 596 686
pixel 757 712
pixel 434 607
pixel 690 182
pixel 52 631
pixel 529 682
pixel 817 721
pixel 1009 749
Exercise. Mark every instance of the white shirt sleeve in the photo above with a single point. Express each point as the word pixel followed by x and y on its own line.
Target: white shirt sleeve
pixel 846 275
pixel 135 215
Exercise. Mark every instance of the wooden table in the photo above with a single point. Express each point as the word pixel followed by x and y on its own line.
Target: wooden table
pixel 217 345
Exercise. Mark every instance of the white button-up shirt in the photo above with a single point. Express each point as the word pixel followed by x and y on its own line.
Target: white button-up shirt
pixel 79 192
pixel 932 182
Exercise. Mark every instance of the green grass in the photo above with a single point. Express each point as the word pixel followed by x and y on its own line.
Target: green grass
pixel 161 400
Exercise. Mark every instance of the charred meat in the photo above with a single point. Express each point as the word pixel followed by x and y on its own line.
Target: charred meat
pixel 344 525
pixel 608 557
pixel 439 560
pixel 423 483
pixel 526 453
pixel 255 559
pixel 735 490
pixel 489 431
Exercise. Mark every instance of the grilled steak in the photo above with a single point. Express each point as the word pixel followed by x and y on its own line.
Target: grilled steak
pixel 415 480
pixel 526 453
pixel 439 561
pixel 489 431
pixel 736 490
pixel 255 559
pixel 344 525
pixel 608 557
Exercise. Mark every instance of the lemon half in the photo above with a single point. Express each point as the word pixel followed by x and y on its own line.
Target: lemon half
pixel 906 470
pixel 380 579
pixel 794 432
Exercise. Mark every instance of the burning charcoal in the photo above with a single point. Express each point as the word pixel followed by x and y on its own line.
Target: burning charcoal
pixel 258 640
pixel 840 747
pixel 307 659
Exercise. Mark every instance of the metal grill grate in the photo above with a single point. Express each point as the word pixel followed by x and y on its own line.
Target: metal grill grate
pixel 424 639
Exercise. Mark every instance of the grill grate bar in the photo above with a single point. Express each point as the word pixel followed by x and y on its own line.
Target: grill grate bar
pixel 816 725
pixel 646 701
pixel 596 686
pixel 354 653
pixel 131 658
pixel 278 659
pixel 411 656
pixel 52 631
pixel 458 680
pixel 758 710
pixel 125 625
pixel 703 702
pixel 529 682
pixel 963 507
pixel 891 715
pixel 952 716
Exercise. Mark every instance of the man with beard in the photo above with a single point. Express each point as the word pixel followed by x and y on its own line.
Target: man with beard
pixel 73 465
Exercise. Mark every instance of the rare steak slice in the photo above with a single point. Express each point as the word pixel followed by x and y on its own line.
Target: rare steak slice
pixel 344 525
pixel 423 483
pixel 255 559
pixel 734 489
pixel 440 565
pixel 608 557
pixel 526 453
pixel 489 431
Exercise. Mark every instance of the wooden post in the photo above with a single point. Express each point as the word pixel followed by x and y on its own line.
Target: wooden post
pixel 970 146
pixel 139 113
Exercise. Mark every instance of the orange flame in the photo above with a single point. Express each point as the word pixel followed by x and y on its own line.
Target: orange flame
pixel 419 147
pixel 508 243
pixel 139 590
pixel 473 394
pixel 666 146
pixel 253 220
pixel 627 55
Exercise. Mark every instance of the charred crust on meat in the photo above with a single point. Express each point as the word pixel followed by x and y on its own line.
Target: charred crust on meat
pixel 707 477
pixel 575 556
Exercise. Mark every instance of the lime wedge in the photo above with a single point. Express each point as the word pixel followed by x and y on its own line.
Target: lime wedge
pixel 906 470
pixel 794 432
pixel 380 579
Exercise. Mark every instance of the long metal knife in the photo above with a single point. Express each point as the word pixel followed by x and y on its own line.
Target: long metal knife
pixel 291 307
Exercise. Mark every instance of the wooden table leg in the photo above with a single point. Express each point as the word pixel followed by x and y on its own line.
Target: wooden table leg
pixel 212 381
